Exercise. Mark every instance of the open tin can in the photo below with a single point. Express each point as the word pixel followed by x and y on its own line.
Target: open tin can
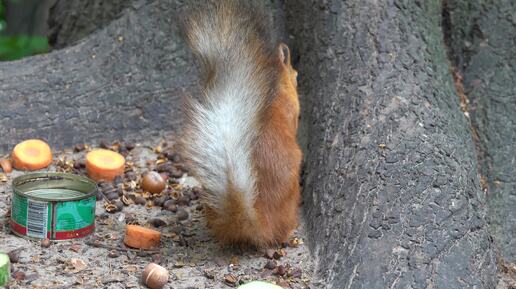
pixel 56 206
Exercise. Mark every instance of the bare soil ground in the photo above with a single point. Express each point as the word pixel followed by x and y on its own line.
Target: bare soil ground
pixel 187 250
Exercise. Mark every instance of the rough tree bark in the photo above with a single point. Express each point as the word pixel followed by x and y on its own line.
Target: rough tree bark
pixel 392 196
pixel 124 81
pixel 26 17
pixel 391 188
pixel 481 38
pixel 72 20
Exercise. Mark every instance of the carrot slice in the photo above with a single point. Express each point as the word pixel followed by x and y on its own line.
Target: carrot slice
pixel 104 165
pixel 141 237
pixel 32 154
pixel 6 165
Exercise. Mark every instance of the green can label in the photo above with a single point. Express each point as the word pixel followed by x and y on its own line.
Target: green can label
pixel 34 216
pixel 75 215
pixel 56 220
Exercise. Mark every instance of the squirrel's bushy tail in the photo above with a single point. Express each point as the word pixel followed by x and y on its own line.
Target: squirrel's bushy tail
pixel 234 47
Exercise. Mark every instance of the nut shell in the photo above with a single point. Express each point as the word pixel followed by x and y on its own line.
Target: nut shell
pixel 155 276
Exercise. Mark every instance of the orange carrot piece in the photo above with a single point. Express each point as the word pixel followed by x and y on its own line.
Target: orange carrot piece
pixel 141 237
pixel 104 165
pixel 6 165
pixel 31 155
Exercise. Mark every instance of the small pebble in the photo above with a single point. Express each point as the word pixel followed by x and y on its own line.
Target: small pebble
pixel 118 180
pixel 182 242
pixel 175 173
pixel 14 256
pixel 271 264
pixel 183 201
pixel 18 275
pixel 129 218
pixel 113 254
pixel 195 193
pixel 77 165
pixel 176 158
pixel 156 258
pixel 131 176
pixel 295 273
pixel 280 270
pixel 170 206
pixel 105 186
pixel 182 215
pixel 119 205
pixel 159 201
pixel 130 146
pixel 164 168
pixel 79 148
pixel 169 154
pixel 103 144
pixel 157 222
pixel 100 196
pixel 139 200
pixel 112 196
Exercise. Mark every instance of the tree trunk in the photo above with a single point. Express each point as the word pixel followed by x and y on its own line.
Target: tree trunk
pixel 27 17
pixel 71 20
pixel 391 190
pixel 123 82
pixel 481 38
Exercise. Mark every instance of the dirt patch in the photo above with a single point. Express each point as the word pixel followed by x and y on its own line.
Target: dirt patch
pixel 187 250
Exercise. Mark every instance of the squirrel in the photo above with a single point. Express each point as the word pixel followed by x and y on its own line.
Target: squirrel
pixel 240 135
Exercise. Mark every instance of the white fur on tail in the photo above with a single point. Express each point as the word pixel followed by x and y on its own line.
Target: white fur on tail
pixel 223 125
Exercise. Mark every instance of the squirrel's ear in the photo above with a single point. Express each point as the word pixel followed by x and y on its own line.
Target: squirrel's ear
pixel 284 53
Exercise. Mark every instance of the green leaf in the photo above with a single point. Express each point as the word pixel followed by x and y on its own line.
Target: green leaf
pixel 16 47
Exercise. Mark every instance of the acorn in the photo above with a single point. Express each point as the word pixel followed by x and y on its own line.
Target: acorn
pixel 153 182
pixel 155 276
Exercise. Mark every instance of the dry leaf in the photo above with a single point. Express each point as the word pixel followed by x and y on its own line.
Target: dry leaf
pixel 76 265
pixel 75 247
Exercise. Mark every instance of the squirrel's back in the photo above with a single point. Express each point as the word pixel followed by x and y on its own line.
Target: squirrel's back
pixel 239 136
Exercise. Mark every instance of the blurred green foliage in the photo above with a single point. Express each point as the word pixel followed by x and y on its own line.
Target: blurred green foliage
pixel 19 46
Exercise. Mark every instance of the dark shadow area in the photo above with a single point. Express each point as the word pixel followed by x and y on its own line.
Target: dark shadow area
pixel 71 20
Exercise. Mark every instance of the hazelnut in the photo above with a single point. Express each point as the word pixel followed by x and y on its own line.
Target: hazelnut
pixel 155 276
pixel 153 182
pixel 45 243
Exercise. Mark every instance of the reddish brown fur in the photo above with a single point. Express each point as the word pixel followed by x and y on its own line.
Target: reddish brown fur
pixel 276 159
pixel 230 37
